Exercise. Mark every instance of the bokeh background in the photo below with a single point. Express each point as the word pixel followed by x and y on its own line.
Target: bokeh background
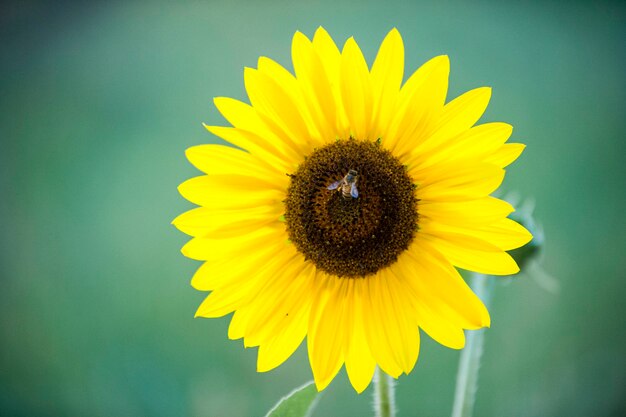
pixel 98 102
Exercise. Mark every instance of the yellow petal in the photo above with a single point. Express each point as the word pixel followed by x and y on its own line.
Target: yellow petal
pixel 407 336
pixel 293 327
pixel 386 77
pixel 455 182
pixel 328 52
pixel 306 108
pixel 260 130
pixel 281 76
pixel 226 192
pixel 206 222
pixel 460 114
pixel 222 302
pixel 278 350
pixel 277 298
pixel 441 330
pixel 326 337
pixel 237 327
pixel 241 115
pixel 356 90
pixel 219 272
pixel 434 322
pixel 267 148
pixel 503 233
pixel 225 160
pixel 219 304
pixel 419 105
pixel 315 85
pixel 240 292
pixel 436 285
pixel 477 143
pixel 360 364
pixel 472 254
pixel 331 60
pixel 380 334
pixel 482 211
pixel 277 109
pixel 210 249
pixel 506 155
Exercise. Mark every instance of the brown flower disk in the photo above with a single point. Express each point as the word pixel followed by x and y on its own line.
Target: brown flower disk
pixel 353 237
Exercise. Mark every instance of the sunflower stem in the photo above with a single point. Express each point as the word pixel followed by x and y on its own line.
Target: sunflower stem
pixel 467 376
pixel 384 399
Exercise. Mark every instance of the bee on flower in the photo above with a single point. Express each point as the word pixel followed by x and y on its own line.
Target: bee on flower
pixel 359 271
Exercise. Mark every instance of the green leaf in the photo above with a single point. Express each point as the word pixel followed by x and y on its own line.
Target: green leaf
pixel 298 403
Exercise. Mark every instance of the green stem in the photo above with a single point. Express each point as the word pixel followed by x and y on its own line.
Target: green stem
pixel 467 376
pixel 383 395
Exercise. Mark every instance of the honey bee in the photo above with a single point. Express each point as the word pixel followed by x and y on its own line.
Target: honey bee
pixel 346 185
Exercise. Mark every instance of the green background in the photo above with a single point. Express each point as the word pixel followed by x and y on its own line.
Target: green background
pixel 97 105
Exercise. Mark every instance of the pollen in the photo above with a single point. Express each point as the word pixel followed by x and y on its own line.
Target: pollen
pixel 351 237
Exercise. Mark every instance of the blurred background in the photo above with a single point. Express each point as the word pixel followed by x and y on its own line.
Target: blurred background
pixel 98 102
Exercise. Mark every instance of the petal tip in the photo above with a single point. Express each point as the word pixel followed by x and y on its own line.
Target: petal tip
pixel 486 91
pixel 394 33
pixel 320 30
pixel 299 36
pixel 350 42
pixel 486 319
pixel 360 386
pixel 197 313
pixel 460 346
pixel 321 385
pixel 189 151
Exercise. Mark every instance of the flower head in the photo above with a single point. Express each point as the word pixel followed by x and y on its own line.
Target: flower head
pixel 344 209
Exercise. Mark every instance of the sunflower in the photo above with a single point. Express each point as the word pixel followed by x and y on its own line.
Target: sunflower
pixel 344 206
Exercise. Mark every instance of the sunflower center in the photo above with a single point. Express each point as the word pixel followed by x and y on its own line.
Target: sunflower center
pixel 351 208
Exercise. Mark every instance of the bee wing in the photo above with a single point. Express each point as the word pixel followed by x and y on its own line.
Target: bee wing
pixel 353 191
pixel 334 185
